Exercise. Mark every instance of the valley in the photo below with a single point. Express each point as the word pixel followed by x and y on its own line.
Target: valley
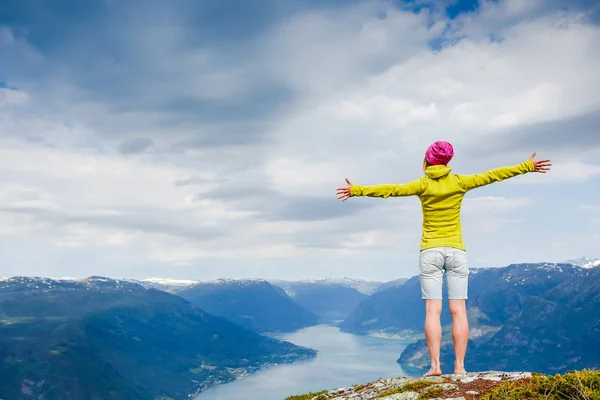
pixel 164 339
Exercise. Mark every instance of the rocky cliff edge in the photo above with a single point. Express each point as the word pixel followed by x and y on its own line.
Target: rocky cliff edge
pixel 447 387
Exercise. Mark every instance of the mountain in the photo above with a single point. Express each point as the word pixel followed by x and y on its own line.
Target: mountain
pixel 332 302
pixel 538 317
pixel 397 311
pixel 167 285
pixel 498 294
pixel 107 339
pixel 254 304
pixel 495 294
pixel 362 286
pixel 555 332
pixel 585 262
pixel 391 284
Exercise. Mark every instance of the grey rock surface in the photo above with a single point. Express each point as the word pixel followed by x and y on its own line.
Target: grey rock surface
pixel 402 396
pixel 453 387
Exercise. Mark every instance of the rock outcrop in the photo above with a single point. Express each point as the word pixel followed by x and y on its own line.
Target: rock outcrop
pixel 447 387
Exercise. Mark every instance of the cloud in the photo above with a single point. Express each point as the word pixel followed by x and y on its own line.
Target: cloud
pixel 485 215
pixel 309 208
pixel 244 120
pixel 590 207
pixel 494 205
pixel 472 93
pixel 591 212
pixel 270 204
pixel 564 172
pixel 575 137
pixel 59 189
pixel 133 146
pixel 12 97
pixel 131 82
pixel 192 180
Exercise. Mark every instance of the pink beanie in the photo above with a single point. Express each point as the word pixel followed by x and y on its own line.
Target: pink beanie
pixel 439 153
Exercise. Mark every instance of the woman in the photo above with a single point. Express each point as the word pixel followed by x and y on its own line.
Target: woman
pixel 442 246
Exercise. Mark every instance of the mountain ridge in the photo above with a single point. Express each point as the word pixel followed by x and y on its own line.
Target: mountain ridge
pixel 585 262
pixel 99 338
pixel 362 285
pixel 254 304
pixel 524 315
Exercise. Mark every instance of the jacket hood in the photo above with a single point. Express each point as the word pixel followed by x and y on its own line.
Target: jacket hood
pixel 437 171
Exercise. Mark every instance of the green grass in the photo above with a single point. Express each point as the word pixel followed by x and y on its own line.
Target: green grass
pixel 431 393
pixel 578 385
pixel 360 388
pixel 415 386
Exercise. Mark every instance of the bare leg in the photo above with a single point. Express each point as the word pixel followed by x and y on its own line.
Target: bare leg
pixel 460 333
pixel 433 334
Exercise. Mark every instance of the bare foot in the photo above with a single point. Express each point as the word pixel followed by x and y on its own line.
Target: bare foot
pixel 459 368
pixel 433 372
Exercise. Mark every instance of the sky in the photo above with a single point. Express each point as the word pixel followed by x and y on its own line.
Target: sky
pixel 202 140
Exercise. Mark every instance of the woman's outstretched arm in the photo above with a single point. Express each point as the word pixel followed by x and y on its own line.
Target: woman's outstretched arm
pixel 384 190
pixel 468 182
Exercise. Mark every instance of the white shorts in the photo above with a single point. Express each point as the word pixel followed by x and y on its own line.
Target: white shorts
pixel 432 264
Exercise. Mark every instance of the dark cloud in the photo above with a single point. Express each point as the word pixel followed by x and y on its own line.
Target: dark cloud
pixel 235 122
pixel 146 60
pixel 150 221
pixel 192 180
pixel 304 208
pixel 262 98
pixel 576 134
pixel 239 192
pixel 590 7
pixel 50 25
pixel 135 145
pixel 273 205
pixel 222 137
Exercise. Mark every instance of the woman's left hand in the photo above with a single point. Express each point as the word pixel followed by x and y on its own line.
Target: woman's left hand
pixel 541 166
pixel 343 193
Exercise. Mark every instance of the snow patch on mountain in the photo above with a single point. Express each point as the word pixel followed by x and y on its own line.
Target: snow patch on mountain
pixel 585 262
pixel 239 282
pixel 44 283
pixel 171 282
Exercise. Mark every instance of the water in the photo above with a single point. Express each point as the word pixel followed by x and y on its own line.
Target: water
pixel 344 360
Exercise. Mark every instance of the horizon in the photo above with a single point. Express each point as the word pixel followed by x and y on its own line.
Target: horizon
pixel 199 140
pixel 155 279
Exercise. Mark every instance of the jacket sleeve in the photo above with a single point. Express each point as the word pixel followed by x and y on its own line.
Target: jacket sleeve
pixel 386 190
pixel 468 182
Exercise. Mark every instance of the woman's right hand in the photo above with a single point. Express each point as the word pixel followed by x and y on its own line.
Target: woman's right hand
pixel 541 166
pixel 343 193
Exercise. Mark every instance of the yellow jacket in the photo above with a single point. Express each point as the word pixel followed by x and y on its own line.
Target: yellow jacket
pixel 441 195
